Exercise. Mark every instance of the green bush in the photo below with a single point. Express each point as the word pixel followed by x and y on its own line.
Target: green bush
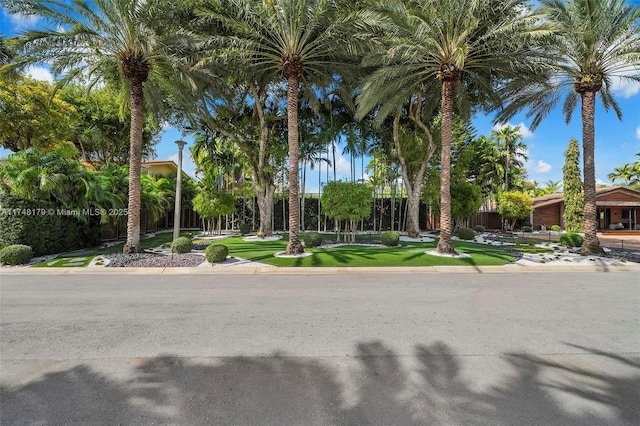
pixel 245 228
pixel 556 228
pixel 527 229
pixel 466 233
pixel 216 253
pixel 571 240
pixel 479 229
pixel 312 239
pixel 45 227
pixel 390 238
pixel 181 245
pixel 15 254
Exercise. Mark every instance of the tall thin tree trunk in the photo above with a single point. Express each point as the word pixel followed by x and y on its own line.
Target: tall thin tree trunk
pixel 445 245
pixel 135 167
pixel 294 246
pixel 591 244
pixel 265 207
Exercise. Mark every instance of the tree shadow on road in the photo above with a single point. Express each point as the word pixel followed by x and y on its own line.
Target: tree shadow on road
pixel 376 386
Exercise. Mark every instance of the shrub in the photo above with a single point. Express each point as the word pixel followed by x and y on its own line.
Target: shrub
pixel 479 229
pixel 182 245
pixel 15 254
pixel 216 253
pixel 312 239
pixel 466 233
pixel 390 238
pixel 245 228
pixel 556 228
pixel 571 240
pixel 527 229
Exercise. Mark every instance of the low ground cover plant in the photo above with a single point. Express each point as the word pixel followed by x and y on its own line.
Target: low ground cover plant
pixel 15 254
pixel 571 239
pixel 479 229
pixel 556 228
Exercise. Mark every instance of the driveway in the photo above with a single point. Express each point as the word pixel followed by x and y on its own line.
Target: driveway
pixel 346 348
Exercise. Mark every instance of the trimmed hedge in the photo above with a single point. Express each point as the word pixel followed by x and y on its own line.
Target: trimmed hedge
pixel 571 240
pixel 45 227
pixel 16 254
pixel 390 238
pixel 527 229
pixel 216 253
pixel 181 245
pixel 466 233
pixel 556 228
pixel 312 239
pixel 479 229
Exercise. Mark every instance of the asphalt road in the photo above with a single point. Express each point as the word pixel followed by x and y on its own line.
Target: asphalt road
pixel 348 349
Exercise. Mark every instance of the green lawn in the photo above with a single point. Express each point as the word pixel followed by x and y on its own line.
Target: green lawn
pixel 407 254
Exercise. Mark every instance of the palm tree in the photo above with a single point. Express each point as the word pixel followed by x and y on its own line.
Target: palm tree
pixel 106 40
pixel 596 43
pixel 6 55
pixel 300 41
pixel 464 44
pixel 512 149
pixel 625 172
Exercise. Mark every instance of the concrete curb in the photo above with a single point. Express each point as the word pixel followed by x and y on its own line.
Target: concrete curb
pixel 267 269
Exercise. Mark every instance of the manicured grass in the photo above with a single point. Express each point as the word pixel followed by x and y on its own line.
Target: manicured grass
pixel 407 254
pixel 61 262
pixel 147 243
pixel 532 249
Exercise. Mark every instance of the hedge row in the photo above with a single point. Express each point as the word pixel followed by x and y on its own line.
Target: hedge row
pixel 43 226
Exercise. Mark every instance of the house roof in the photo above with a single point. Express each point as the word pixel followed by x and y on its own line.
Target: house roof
pixel 550 199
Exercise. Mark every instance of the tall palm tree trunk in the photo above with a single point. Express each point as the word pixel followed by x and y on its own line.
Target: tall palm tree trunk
pixel 591 244
pixel 294 246
pixel 445 245
pixel 135 165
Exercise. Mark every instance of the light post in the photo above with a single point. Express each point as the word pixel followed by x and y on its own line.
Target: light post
pixel 176 217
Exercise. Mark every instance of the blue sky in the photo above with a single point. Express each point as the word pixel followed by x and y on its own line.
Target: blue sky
pixel 617 142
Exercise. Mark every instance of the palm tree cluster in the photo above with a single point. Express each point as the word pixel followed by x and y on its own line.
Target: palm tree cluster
pixel 629 173
pixel 248 71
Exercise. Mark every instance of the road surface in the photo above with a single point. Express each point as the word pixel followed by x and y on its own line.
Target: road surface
pixel 322 349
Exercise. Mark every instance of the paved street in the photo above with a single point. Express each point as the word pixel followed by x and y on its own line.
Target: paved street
pixel 343 348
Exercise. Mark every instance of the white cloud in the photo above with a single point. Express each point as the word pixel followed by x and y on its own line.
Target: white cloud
pixel 525 132
pixel 638 132
pixel 21 22
pixel 39 73
pixel 625 88
pixel 542 167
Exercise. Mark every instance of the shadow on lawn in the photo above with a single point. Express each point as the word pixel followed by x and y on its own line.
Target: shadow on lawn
pixel 374 387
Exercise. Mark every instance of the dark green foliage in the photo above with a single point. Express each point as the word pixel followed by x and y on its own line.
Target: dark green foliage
pixel 216 253
pixel 312 239
pixel 556 228
pixel 527 228
pixel 245 228
pixel 479 229
pixel 571 239
pixel 466 233
pixel 15 254
pixel 390 238
pixel 182 245
pixel 573 216
pixel 49 231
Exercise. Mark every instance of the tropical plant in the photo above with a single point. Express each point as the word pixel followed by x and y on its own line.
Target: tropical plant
pixel 210 204
pixel 438 46
pixel 573 214
pixel 302 41
pixel 512 150
pixel 513 206
pixel 596 43
pixel 346 201
pixel 107 40
pixel 6 54
pixel 32 118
